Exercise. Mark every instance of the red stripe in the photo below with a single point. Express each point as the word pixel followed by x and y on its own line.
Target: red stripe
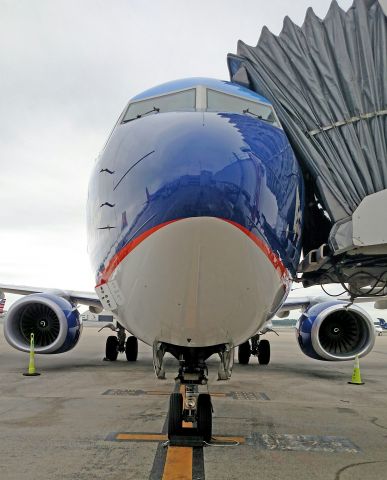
pixel 274 259
pixel 117 259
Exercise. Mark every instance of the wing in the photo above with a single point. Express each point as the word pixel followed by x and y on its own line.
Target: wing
pixel 302 303
pixel 83 298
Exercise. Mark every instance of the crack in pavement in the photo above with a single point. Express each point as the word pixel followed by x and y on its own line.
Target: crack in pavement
pixel 352 465
pixel 374 421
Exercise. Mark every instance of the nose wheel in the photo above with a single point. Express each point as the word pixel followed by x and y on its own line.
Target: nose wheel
pixel 175 416
pixel 204 416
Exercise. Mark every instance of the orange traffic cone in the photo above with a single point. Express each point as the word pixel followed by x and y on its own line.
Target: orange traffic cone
pixel 356 377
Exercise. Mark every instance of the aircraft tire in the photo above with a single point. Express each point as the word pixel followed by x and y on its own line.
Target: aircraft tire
pixel 204 416
pixel 244 352
pixel 131 349
pixel 175 415
pixel 264 352
pixel 111 350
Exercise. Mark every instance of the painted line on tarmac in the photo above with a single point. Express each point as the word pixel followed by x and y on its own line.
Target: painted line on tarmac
pixel 181 462
pixel 140 437
pixel 178 464
pixel 198 463
pixel 263 441
pixel 302 443
pixel 175 462
pixel 235 395
pixel 160 437
pixel 161 452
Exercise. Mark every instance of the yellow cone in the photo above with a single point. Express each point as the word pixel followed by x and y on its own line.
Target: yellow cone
pixel 31 367
pixel 356 377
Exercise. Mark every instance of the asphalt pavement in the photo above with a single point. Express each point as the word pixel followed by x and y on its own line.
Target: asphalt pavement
pixel 84 418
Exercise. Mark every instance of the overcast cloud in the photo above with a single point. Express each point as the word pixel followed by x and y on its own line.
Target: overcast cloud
pixel 67 70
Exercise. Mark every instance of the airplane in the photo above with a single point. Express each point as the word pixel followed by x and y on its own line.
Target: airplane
pixel 194 214
pixel 382 323
pixel 378 329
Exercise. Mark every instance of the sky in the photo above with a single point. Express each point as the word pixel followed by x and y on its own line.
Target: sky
pixel 67 70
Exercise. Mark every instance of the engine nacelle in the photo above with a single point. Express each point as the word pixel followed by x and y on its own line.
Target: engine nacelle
pixel 53 320
pixel 335 331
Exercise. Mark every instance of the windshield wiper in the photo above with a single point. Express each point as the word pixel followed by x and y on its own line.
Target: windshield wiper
pixel 252 113
pixel 256 115
pixel 154 109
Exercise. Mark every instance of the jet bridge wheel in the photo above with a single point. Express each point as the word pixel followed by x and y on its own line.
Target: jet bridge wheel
pixel 111 350
pixel 131 349
pixel 175 415
pixel 264 352
pixel 204 416
pixel 244 352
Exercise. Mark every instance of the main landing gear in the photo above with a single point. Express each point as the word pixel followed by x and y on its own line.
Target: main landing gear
pixel 258 348
pixel 118 343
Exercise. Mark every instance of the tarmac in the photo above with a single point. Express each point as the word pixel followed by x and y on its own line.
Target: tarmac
pixel 84 418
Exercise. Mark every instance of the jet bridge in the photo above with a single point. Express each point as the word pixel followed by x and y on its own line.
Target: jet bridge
pixel 328 82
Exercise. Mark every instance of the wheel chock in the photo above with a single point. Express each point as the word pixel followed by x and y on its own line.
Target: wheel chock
pixel 186 440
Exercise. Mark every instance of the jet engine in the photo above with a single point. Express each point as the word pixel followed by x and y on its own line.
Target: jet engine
pixel 335 331
pixel 53 320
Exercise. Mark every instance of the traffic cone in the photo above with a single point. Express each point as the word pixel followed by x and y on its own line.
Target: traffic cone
pixel 356 378
pixel 31 367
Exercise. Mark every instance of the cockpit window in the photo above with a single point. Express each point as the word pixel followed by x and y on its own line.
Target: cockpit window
pixel 184 101
pixel 221 102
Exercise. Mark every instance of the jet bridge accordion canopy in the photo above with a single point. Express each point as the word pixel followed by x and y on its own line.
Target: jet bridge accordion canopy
pixel 328 82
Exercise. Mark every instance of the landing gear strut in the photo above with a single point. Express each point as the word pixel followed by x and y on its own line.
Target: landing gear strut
pixel 258 348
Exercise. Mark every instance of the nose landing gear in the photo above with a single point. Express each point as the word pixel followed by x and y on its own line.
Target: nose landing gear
pixel 190 412
pixel 190 416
